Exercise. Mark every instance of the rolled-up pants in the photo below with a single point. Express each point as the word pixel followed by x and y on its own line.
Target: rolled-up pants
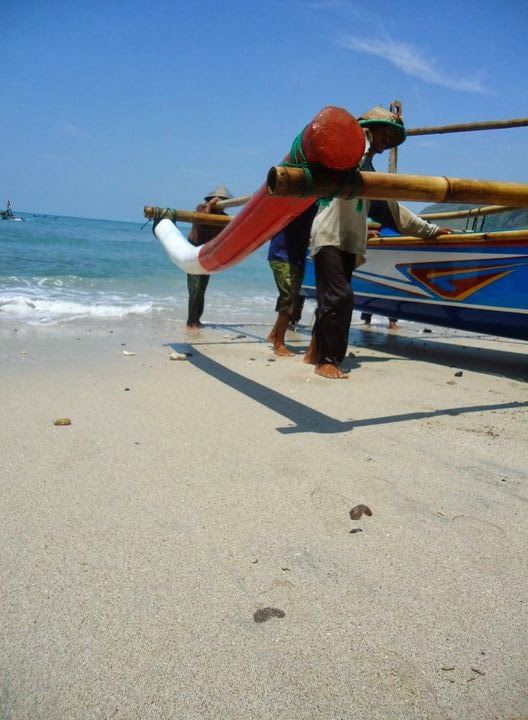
pixel 335 301
pixel 196 285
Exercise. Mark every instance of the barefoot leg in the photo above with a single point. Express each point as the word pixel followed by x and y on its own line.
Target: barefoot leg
pixel 279 348
pixel 273 332
pixel 330 371
pixel 310 356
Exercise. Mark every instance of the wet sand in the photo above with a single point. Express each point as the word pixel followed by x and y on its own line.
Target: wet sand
pixel 184 549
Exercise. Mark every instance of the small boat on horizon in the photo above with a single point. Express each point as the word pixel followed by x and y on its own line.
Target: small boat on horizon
pixel 8 213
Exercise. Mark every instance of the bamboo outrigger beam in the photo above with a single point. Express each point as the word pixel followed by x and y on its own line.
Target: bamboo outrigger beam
pixel 187 216
pixel 293 182
pixel 468 212
pixel 153 213
pixel 157 213
pixel 451 239
pixel 234 202
pixel 466 127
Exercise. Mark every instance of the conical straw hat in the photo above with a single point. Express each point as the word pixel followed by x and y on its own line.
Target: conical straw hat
pixel 380 116
pixel 220 192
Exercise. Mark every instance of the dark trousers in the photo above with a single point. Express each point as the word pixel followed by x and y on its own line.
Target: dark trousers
pixel 196 285
pixel 335 300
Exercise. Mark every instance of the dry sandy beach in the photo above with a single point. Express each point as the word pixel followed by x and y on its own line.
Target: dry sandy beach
pixel 143 543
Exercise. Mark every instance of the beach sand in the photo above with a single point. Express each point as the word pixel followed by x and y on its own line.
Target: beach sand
pixel 142 543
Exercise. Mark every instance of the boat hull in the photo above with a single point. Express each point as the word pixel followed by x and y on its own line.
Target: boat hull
pixel 12 218
pixel 478 285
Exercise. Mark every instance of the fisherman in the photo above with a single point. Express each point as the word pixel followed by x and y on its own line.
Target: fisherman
pixel 287 259
pixel 199 235
pixel 338 245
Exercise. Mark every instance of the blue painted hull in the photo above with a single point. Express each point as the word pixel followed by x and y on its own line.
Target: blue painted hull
pixel 480 285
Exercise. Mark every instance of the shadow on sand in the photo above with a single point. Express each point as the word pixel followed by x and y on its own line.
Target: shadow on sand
pixel 305 419
pixel 508 358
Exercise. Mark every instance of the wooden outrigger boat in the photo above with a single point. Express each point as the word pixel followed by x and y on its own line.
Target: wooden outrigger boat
pixel 470 281
pixel 473 281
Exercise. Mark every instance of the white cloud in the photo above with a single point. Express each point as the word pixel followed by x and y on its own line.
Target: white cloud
pixel 412 62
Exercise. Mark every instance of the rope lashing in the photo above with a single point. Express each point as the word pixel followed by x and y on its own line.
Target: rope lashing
pixel 314 170
pixel 157 215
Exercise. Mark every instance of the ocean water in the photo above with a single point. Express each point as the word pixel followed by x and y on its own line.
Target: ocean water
pixel 63 269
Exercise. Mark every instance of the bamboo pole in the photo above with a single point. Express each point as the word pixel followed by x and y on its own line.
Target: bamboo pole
pixel 500 236
pixel 157 213
pixel 292 182
pixel 153 213
pixel 466 127
pixel 396 107
pixel 441 189
pixel 469 212
pixel 233 202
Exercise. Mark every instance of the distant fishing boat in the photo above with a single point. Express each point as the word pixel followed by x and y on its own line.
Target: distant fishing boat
pixel 8 214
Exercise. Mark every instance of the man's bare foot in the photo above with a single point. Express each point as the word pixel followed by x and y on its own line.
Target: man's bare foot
pixel 393 325
pixel 282 351
pixel 330 371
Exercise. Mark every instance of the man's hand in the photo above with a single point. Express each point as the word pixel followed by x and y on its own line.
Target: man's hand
pixel 210 206
pixel 444 231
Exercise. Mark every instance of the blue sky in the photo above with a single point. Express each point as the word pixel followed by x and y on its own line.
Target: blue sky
pixel 110 106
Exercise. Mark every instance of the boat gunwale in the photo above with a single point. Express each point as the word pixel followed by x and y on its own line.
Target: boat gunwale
pixel 502 237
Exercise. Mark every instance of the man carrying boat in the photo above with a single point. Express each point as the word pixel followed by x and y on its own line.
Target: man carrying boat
pixel 199 235
pixel 338 245
pixel 287 259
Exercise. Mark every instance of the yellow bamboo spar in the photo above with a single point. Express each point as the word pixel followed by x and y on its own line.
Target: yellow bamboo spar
pixel 293 182
pixel 469 212
pixel 465 239
pixel 234 202
pixel 188 216
pixel 467 127
pixel 156 213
